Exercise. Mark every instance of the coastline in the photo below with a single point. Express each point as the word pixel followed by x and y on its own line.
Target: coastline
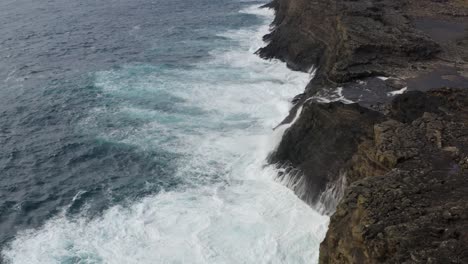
pixel 231 209
pixel 390 143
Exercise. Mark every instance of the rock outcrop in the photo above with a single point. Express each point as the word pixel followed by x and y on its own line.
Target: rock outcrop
pixel 423 43
pixel 402 145
pixel 346 39
pixel 407 202
pixel 320 144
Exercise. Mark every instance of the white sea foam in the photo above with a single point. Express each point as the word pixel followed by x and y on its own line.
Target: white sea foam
pixel 326 96
pixel 329 199
pixel 224 112
pixel 397 92
pixel 383 78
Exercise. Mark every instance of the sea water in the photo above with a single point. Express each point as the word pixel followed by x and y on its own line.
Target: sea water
pixel 155 154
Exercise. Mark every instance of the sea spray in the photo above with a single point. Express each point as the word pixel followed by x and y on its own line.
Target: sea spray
pixel 329 199
pixel 230 210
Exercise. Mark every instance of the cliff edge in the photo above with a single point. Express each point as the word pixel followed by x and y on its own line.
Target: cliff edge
pixel 407 201
pixel 383 126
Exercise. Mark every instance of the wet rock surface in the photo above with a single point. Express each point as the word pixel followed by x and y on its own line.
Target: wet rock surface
pixel 321 142
pixel 407 201
pixel 388 110
pixel 346 40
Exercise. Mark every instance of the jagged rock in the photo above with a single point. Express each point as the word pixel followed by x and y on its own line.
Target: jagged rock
pixel 399 218
pixel 407 201
pixel 346 39
pixel 322 141
pixel 405 157
pixel 423 44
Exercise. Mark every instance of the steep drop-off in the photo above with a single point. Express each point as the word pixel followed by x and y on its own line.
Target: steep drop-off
pixel 402 146
pixel 408 199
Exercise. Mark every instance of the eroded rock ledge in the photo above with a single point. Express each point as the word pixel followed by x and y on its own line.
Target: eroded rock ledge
pixel 407 202
pixel 405 157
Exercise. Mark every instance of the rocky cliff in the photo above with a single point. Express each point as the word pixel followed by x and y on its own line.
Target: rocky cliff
pixel 388 112
pixel 408 199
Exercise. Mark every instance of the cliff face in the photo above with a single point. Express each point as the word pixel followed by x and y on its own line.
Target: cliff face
pixel 422 42
pixel 351 43
pixel 320 144
pixel 408 199
pixel 404 156
pixel 346 39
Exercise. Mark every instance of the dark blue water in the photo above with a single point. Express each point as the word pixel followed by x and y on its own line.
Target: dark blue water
pixel 137 132
pixel 49 53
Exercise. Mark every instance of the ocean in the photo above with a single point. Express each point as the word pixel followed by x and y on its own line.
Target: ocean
pixel 137 132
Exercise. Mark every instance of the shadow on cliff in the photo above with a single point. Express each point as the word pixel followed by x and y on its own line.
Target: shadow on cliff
pixel 390 153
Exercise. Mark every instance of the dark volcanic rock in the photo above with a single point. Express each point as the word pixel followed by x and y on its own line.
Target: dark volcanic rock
pixel 346 39
pixel 422 43
pixel 321 143
pixel 405 157
pixel 408 199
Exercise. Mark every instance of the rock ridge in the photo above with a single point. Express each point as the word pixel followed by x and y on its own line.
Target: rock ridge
pixel 388 112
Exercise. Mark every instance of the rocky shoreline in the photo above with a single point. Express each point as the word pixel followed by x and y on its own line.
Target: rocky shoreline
pixel 393 135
